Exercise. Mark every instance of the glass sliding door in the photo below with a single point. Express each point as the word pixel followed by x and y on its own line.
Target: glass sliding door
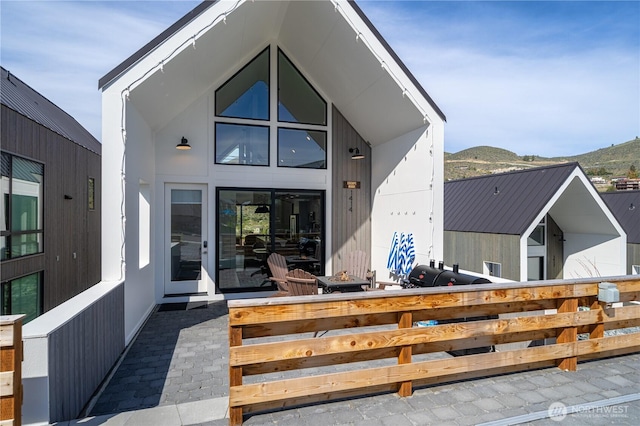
pixel 253 223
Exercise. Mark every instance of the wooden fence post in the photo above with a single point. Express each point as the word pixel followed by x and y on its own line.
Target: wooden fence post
pixel 11 370
pixel 235 375
pixel 568 334
pixel 405 320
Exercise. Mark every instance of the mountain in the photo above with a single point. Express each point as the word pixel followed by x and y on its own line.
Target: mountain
pixel 607 162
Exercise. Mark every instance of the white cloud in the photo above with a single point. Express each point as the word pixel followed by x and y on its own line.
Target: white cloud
pixel 533 86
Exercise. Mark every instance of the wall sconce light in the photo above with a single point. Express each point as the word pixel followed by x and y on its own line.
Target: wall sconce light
pixel 356 154
pixel 184 144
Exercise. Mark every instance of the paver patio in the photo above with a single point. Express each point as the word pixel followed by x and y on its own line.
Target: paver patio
pixel 176 372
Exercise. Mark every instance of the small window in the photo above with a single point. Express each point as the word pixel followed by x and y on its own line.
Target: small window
pixel 635 269
pixel 537 236
pixel 302 148
pixel 246 94
pixel 493 269
pixel 23 296
pixel 92 194
pixel 535 268
pixel 240 144
pixel 298 101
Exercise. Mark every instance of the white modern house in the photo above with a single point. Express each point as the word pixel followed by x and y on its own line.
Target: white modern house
pixel 535 224
pixel 278 102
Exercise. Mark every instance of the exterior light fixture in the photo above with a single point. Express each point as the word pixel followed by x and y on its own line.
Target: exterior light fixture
pixel 183 145
pixel 356 154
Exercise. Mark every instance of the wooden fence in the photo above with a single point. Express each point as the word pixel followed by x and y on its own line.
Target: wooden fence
pixel 11 370
pixel 273 341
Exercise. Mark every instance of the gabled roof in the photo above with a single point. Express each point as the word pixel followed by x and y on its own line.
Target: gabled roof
pixel 208 3
pixel 505 203
pixel 625 206
pixel 20 97
pixel 332 44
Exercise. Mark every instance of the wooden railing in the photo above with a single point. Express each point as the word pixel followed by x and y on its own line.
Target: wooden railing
pixel 11 370
pixel 359 332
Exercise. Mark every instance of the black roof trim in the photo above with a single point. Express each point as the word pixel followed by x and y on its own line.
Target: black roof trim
pixel 155 42
pixel 208 3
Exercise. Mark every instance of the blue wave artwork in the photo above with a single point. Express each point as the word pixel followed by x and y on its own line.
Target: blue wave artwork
pixel 402 254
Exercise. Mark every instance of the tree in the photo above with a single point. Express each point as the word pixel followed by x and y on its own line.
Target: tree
pixel 632 173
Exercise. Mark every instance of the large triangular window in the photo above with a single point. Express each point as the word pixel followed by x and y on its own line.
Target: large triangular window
pixel 246 94
pixel 298 101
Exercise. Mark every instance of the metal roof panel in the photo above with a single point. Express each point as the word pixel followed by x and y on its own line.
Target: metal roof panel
pixel 20 97
pixel 625 206
pixel 505 203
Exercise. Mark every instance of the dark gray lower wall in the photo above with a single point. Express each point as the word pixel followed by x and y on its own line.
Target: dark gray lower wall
pixel 471 249
pixel 82 352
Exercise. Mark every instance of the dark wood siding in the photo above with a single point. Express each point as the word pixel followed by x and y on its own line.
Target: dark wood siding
pixel 470 249
pixel 633 257
pixel 351 208
pixel 555 250
pixel 69 227
pixel 82 352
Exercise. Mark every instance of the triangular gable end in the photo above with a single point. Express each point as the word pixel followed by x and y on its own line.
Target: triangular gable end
pixel 372 87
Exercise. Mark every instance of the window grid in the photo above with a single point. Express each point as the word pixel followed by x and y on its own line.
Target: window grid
pixel 229 151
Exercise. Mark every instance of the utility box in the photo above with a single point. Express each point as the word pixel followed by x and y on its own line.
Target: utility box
pixel 608 293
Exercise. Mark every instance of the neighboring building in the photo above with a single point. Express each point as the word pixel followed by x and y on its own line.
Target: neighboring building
pixel 541 223
pixel 625 206
pixel 51 174
pixel 627 184
pixel 273 98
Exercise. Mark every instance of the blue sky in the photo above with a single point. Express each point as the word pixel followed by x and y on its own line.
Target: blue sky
pixel 545 78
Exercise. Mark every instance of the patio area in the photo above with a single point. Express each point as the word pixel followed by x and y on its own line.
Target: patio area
pixel 176 372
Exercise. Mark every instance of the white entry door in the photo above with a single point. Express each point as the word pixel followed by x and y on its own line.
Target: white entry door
pixel 185 239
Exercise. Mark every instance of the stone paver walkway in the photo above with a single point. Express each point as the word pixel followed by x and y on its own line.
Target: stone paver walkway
pixel 176 373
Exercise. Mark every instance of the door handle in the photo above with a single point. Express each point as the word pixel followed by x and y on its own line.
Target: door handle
pixel 204 244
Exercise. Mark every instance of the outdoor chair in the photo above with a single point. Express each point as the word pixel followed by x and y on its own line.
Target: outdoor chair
pixel 278 267
pixel 301 282
pixel 358 264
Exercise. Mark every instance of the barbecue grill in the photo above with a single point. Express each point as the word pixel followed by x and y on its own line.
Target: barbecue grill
pixel 430 276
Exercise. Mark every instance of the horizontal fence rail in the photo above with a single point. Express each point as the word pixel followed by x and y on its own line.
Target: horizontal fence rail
pixel 11 370
pixel 289 351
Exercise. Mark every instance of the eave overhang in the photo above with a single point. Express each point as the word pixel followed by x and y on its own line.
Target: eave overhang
pixel 331 42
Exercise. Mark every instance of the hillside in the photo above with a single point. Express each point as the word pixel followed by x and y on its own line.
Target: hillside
pixel 606 162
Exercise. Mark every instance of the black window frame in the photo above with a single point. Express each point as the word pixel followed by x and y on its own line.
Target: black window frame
pixel 271 205
pixel 215 101
pixel 6 289
pixel 8 200
pixel 326 113
pixel 225 123
pixel 324 167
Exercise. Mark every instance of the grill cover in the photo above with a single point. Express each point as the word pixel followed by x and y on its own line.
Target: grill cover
pixel 428 276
